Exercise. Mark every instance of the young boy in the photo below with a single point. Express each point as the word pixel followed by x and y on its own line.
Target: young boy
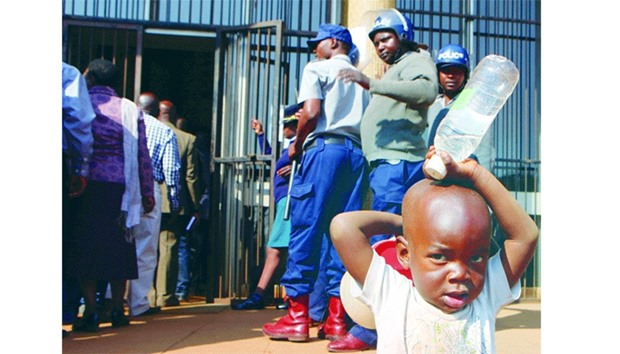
pixel 445 243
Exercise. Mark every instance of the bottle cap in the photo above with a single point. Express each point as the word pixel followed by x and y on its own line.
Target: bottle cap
pixel 436 168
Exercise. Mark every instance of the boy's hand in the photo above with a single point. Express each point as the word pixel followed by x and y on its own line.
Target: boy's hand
pixel 457 172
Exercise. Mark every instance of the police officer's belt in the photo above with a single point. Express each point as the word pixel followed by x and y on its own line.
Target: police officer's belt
pixel 332 139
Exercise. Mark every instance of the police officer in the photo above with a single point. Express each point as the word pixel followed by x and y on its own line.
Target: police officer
pixel 331 179
pixel 392 128
pixel 453 70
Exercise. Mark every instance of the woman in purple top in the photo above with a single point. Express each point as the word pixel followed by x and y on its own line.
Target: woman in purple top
pixel 119 189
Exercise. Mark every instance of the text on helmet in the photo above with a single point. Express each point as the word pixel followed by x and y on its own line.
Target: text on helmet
pixel 450 55
pixel 386 22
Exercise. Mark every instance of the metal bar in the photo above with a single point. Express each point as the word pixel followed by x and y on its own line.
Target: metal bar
pixel 138 71
pixel 287 207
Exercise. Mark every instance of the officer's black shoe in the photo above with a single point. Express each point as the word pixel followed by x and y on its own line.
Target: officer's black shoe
pixel 254 302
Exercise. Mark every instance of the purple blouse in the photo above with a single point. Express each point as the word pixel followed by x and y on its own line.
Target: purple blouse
pixel 106 164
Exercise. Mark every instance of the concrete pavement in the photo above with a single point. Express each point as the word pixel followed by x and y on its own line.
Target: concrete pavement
pixel 197 327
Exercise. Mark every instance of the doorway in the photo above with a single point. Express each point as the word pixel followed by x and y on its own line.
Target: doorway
pixel 180 69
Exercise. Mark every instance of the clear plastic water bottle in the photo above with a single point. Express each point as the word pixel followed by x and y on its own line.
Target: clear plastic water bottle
pixel 460 132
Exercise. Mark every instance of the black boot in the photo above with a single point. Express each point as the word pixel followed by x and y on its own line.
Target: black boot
pixel 87 323
pixel 118 318
pixel 254 302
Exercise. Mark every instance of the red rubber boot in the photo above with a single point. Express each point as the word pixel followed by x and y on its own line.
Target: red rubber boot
pixel 295 326
pixel 335 326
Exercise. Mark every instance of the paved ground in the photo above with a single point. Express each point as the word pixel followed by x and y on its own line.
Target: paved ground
pixel 196 327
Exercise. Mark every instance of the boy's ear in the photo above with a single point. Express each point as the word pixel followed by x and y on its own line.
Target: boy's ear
pixel 402 251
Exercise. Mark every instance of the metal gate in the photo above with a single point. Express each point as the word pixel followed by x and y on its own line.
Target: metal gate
pixel 119 43
pixel 248 82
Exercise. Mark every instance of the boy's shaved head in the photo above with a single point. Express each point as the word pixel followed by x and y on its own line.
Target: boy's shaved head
pixel 442 206
pixel 448 229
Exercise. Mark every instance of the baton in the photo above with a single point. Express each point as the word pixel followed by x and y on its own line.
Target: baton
pixel 190 224
pixel 287 207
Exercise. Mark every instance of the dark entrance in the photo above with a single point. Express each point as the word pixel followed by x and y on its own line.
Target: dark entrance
pixel 180 69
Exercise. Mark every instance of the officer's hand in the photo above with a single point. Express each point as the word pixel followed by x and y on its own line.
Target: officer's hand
pixel 348 75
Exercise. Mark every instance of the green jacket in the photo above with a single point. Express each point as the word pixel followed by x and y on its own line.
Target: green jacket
pixel 394 120
pixel 188 181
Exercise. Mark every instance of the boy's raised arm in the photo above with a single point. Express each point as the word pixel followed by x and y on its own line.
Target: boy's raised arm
pixel 350 232
pixel 521 231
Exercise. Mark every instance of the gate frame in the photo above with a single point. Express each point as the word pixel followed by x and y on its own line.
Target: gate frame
pixel 138 28
pixel 234 280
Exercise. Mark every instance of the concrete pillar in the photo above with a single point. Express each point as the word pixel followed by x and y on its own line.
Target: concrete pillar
pixel 358 16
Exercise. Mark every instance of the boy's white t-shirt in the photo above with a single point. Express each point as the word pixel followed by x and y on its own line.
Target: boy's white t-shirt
pixel 406 323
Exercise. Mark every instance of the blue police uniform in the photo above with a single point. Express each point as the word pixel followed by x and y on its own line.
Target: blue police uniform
pixel 332 175
pixel 331 178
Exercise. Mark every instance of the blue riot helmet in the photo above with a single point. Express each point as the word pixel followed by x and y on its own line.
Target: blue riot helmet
pixel 393 20
pixel 453 55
